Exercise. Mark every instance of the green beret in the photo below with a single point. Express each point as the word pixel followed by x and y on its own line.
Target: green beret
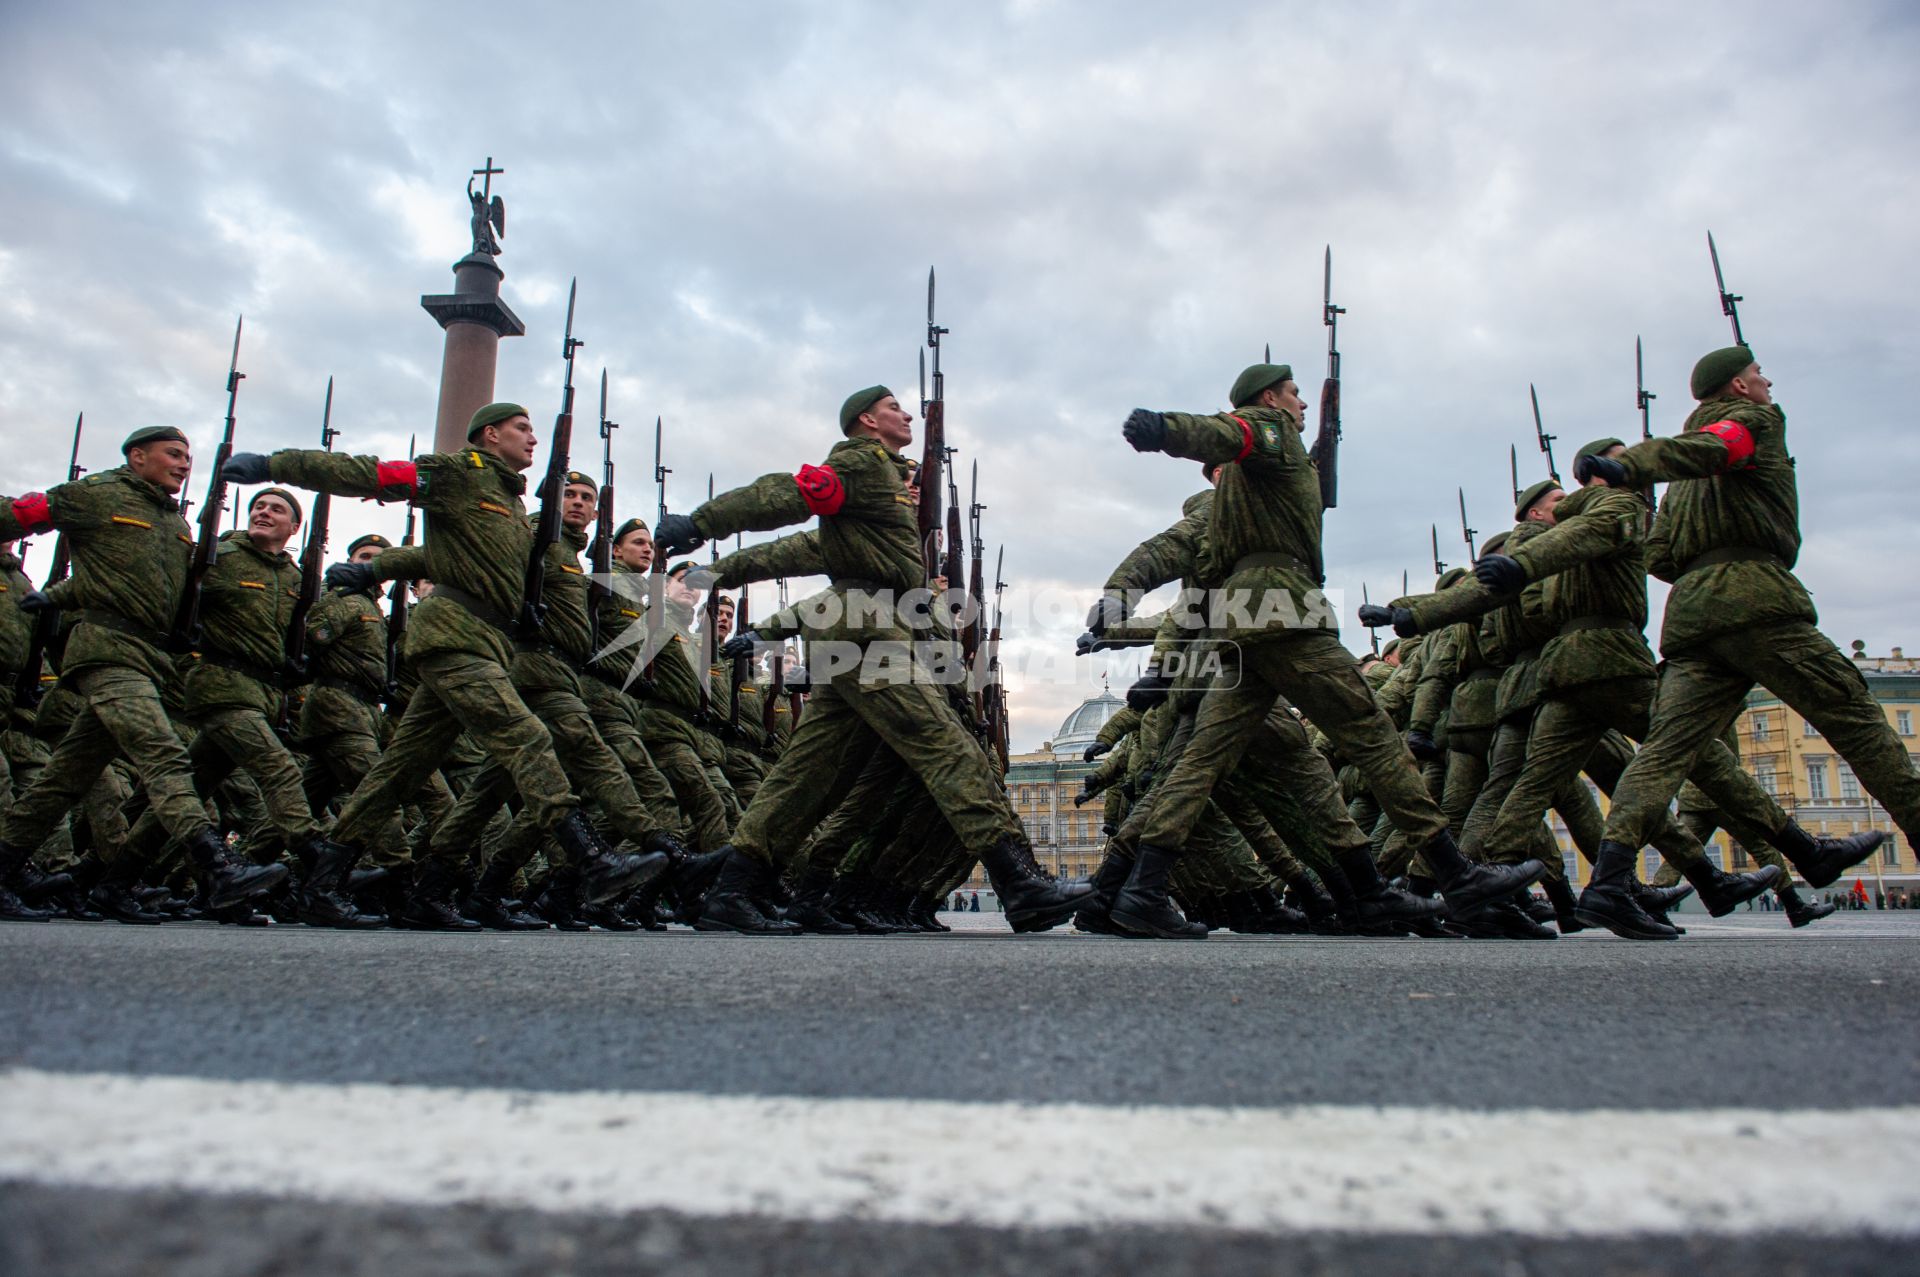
pixel 492 415
pixel 372 538
pixel 858 402
pixel 150 434
pixel 283 494
pixel 1248 385
pixel 1449 578
pixel 1597 447
pixel 631 525
pixel 576 478
pixel 1532 495
pixel 1494 543
pixel 1717 369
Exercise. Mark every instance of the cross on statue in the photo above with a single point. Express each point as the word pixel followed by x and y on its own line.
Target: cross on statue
pixel 489 212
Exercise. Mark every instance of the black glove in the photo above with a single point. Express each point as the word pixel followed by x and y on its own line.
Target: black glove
pixel 247 467
pixel 35 601
pixel 1089 643
pixel 1421 745
pixel 1151 689
pixel 1498 572
pixel 1374 615
pixel 741 644
pixel 1611 472
pixel 1082 798
pixel 676 533
pixel 350 576
pixel 1110 610
pixel 798 682
pixel 1096 749
pixel 1146 430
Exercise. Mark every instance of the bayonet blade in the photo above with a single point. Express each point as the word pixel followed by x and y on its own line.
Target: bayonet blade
pixel 327 432
pixel 1266 353
pixel 1729 302
pixel 930 298
pixel 567 343
pixel 1513 469
pixel 1438 566
pixel 1467 533
pixel 603 401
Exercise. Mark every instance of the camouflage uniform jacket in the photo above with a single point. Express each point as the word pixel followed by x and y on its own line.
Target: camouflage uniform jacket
pixel 246 604
pixel 1593 566
pixel 346 648
pixel 1514 630
pixel 130 551
pixel 16 626
pixel 798 554
pixel 477 537
pixel 1723 504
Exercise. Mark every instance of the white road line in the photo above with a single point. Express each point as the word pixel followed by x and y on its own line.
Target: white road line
pixel 1375 1170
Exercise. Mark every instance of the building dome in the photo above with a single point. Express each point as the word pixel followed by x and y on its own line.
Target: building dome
pixel 1083 725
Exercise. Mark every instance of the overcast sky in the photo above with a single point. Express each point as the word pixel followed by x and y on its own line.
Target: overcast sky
pixel 1124 201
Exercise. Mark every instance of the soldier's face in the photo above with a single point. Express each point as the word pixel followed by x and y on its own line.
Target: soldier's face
pixel 635 550
pixel 165 464
pixel 366 554
pixel 1286 395
pixel 1541 511
pixel 578 505
pixel 512 441
pixel 891 424
pixel 270 522
pixel 1753 386
pixel 723 623
pixel 678 591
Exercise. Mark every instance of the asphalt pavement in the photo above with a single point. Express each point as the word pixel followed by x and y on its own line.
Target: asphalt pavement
pixel 1586 1042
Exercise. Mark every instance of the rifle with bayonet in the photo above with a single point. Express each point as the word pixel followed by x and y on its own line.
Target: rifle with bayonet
pixel 1326 443
pixel 1466 533
pixel 186 625
pixel 1729 302
pixel 1373 635
pixel 313 568
pixel 996 694
pixel 546 529
pixel 1541 436
pixel 1643 399
pixel 600 553
pixel 976 625
pixel 935 451
pixel 709 629
pixel 46 623
pixel 1439 568
pixel 657 575
pixel 397 606
pixel 1513 470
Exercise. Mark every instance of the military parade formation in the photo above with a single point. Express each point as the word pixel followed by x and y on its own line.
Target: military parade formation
pixel 531 714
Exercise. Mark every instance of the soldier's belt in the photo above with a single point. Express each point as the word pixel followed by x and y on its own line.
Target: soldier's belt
pixel 1731 554
pixel 691 718
pixel 478 608
pixel 121 625
pixel 539 648
pixel 276 679
pixel 1275 559
pixel 365 695
pixel 1580 623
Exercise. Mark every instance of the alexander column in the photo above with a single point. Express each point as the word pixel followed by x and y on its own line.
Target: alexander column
pixel 474 316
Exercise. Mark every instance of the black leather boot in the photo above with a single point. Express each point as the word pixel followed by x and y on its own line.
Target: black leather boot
pixel 1609 901
pixel 1274 916
pixel 1821 861
pixel 1801 912
pixel 1313 900
pixel 643 906
pixel 1660 899
pixel 1722 893
pixel 1032 898
pixel 1095 914
pixel 116 895
pixel 224 880
pixel 14 909
pixel 852 902
pixel 809 910
pixel 491 903
pixel 21 878
pixel 608 916
pixel 320 902
pixel 604 873
pixel 1560 895
pixel 559 901
pixel 738 899
pixel 1143 905
pixel 431 907
pixel 1378 908
pixel 1465 885
pixel 1505 919
pixel 926 912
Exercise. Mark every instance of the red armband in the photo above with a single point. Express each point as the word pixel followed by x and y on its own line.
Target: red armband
pixel 821 489
pixel 33 514
pixel 396 474
pixel 1246 447
pixel 1739 441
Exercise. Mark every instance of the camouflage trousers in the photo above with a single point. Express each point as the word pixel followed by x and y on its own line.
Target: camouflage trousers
pixel 1569 731
pixel 675 749
pixel 1313 671
pixel 337 762
pixel 911 718
pixel 1506 757
pixel 459 692
pixel 122 713
pixel 617 718
pixel 1703 823
pixel 1702 689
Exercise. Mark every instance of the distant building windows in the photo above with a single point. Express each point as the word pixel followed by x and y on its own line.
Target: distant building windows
pixel 1740 858
pixel 1903 721
pixel 1808 729
pixel 1849 783
pixel 1762 727
pixel 1768 778
pixel 1890 851
pixel 1817 780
